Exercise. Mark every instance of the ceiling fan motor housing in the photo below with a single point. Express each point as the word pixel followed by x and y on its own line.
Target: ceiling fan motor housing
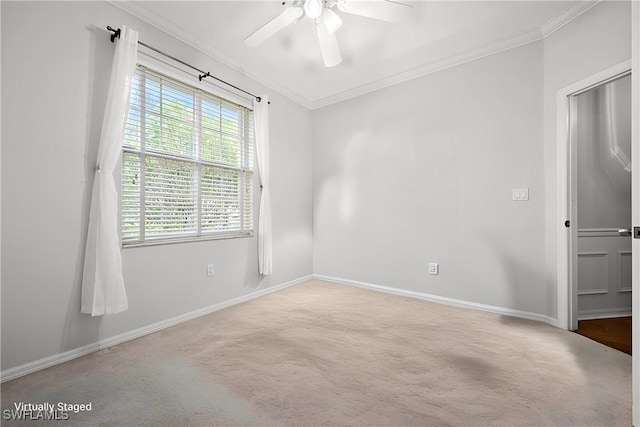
pixel 313 8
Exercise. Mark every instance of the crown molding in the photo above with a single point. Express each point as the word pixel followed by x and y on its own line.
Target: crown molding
pixel 559 21
pixel 544 31
pixel 184 36
pixel 454 61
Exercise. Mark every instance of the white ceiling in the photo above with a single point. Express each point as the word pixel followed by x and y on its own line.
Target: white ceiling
pixel 375 54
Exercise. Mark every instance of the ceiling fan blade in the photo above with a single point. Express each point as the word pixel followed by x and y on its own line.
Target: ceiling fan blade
pixel 328 45
pixel 289 15
pixel 331 20
pixel 383 10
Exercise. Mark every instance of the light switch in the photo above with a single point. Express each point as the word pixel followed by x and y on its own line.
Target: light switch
pixel 520 194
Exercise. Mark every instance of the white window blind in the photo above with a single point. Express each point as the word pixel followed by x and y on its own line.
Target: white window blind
pixel 187 163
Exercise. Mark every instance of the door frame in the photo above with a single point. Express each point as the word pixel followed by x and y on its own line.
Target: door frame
pixel 567 191
pixel 635 209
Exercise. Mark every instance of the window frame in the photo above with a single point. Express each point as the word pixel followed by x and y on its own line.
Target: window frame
pixel 247 165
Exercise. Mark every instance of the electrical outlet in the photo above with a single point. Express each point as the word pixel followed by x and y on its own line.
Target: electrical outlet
pixel 210 270
pixel 433 268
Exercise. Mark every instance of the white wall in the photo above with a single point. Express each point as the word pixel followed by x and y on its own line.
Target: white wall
pixel 591 43
pixel 56 62
pixel 424 171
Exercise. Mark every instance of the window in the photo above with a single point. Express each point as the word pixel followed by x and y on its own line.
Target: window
pixel 187 164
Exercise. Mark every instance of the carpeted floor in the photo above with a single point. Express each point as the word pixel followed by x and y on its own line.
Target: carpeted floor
pixel 323 354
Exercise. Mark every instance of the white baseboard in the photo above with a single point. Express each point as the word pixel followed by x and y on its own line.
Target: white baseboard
pixel 28 368
pixel 604 313
pixel 56 359
pixel 443 300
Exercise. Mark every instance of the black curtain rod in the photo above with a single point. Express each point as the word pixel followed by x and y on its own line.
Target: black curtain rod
pixel 203 75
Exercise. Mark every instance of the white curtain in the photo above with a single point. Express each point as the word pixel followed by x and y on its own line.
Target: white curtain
pixel 103 289
pixel 261 119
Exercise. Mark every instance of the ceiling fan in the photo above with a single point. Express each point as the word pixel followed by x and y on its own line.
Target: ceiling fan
pixel 328 21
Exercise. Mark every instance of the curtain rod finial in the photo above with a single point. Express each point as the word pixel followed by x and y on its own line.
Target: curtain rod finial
pixel 116 33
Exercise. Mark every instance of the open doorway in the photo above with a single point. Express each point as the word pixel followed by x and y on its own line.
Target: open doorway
pixel 567 108
pixel 600 143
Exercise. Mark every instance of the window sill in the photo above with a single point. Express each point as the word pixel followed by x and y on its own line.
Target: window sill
pixel 172 241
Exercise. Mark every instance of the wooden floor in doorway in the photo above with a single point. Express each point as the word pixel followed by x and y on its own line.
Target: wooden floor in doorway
pixel 613 332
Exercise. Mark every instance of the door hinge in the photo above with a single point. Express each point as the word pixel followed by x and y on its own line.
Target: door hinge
pixel 636 232
pixel 567 223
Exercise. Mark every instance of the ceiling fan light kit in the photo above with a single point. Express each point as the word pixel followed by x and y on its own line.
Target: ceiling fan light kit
pixel 327 21
pixel 313 8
